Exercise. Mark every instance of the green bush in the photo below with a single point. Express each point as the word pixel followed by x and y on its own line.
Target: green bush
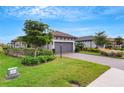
pixel 45 52
pixel 50 58
pixel 77 49
pixel 79 46
pixel 36 60
pixel 30 61
pixel 42 59
pixel 91 50
pixel 1 50
pixel 119 49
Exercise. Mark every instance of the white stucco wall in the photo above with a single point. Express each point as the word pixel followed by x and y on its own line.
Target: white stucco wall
pixel 52 44
pixel 89 44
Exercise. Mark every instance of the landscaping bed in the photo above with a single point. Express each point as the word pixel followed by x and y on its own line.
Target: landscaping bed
pixel 103 52
pixel 61 72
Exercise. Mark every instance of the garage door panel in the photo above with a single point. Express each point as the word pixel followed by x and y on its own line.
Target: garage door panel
pixel 66 47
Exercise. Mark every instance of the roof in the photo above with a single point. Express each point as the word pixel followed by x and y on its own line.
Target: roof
pixel 61 34
pixel 84 38
pixel 111 39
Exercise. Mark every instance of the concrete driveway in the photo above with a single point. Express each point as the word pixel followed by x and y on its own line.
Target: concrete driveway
pixel 111 62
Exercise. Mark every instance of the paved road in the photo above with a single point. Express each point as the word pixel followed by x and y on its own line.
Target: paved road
pixel 112 62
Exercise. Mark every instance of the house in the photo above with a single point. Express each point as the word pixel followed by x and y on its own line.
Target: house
pixel 113 43
pixel 64 40
pixel 87 41
pixel 17 44
pixel 60 39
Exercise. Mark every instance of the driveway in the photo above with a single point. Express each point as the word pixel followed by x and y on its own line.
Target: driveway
pixel 111 62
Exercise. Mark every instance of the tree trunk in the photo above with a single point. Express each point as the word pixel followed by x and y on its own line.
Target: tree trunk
pixel 35 52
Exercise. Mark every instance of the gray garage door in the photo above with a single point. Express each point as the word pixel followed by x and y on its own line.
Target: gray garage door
pixel 67 47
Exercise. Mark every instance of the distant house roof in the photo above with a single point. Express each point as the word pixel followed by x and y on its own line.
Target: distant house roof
pixel 61 34
pixel 85 38
pixel 111 39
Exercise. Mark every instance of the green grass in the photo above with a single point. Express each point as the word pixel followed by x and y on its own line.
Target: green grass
pixel 57 73
pixel 90 53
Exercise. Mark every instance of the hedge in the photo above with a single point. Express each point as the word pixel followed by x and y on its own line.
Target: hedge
pixel 19 52
pixel 29 61
pixel 91 50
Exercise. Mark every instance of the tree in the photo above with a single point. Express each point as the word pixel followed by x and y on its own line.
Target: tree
pixel 37 34
pixel 119 40
pixel 100 39
pixel 79 46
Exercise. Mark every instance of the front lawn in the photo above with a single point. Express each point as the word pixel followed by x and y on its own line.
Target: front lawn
pixel 57 73
pixel 90 53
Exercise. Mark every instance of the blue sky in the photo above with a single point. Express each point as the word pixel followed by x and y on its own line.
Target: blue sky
pixel 75 20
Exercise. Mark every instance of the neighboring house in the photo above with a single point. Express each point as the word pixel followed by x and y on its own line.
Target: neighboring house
pixel 87 41
pixel 17 44
pixel 66 41
pixel 113 43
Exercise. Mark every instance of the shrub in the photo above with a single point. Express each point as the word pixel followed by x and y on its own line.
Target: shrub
pixel 91 50
pixel 45 52
pixel 30 61
pixel 53 51
pixel 50 58
pixel 42 59
pixel 77 49
pixel 111 53
pixel 79 46
pixel 37 60
pixel 104 53
pixel 119 54
pixel 85 49
pixel 1 50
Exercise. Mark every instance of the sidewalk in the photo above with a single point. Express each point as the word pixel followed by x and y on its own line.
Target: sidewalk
pixel 111 78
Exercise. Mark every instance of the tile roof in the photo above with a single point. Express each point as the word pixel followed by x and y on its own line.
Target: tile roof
pixel 61 34
pixel 85 38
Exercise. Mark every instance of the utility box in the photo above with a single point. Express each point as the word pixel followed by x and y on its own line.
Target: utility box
pixel 12 73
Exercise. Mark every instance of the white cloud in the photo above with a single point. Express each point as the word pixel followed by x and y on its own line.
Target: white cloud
pixel 64 13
